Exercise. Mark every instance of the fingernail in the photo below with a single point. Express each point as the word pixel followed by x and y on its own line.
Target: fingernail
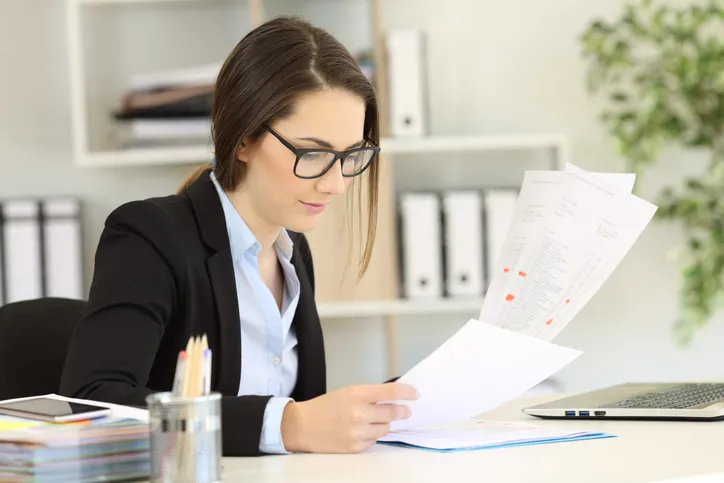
pixel 417 394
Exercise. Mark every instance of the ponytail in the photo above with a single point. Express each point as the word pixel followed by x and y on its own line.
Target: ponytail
pixel 193 176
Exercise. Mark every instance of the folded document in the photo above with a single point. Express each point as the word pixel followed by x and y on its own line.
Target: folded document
pixel 480 434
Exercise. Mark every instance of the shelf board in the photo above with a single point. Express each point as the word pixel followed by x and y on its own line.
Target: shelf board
pixel 147 156
pixel 200 154
pixel 100 2
pixel 471 143
pixel 380 308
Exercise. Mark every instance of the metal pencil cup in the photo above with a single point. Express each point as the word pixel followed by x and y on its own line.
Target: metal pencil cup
pixel 185 438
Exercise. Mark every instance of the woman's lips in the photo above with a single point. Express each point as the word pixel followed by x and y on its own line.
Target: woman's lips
pixel 315 208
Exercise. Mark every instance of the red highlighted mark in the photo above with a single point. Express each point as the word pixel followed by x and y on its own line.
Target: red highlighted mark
pixel 506 270
pixel 522 274
pixel 549 321
pixel 568 301
pixel 509 297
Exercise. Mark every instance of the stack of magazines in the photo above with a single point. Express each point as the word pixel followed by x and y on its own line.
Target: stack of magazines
pixel 168 108
pixel 108 449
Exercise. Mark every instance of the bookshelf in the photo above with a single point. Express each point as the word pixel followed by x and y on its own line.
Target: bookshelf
pixel 110 40
pixel 382 308
pixel 390 146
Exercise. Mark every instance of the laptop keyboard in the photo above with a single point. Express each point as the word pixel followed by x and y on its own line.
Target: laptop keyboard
pixel 678 397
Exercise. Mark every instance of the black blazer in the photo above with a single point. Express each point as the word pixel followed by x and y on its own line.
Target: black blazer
pixel 163 273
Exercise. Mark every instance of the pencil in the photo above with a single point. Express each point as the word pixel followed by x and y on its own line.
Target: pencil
pixel 178 377
pixel 205 366
pixel 187 368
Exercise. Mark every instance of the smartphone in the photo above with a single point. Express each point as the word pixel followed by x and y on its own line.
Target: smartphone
pixel 43 408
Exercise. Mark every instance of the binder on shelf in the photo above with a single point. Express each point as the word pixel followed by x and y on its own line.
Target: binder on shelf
pixel 499 210
pixel 421 245
pixel 62 248
pixel 407 83
pixel 22 254
pixel 3 283
pixel 464 249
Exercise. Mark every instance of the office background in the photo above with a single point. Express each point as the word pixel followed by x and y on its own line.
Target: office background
pixel 494 68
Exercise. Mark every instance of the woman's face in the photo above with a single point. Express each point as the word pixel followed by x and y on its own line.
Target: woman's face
pixel 332 119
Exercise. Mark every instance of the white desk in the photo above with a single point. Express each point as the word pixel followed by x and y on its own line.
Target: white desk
pixel 643 452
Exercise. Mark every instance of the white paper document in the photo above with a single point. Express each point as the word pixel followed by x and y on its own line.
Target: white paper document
pixel 477 369
pixel 482 434
pixel 570 230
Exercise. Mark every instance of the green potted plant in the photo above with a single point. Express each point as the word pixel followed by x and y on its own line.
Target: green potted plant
pixel 661 70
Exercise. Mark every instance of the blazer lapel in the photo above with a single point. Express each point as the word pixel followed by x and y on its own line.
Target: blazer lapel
pixel 311 374
pixel 210 217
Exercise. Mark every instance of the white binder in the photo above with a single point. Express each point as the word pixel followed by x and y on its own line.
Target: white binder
pixel 421 245
pixel 464 249
pixel 62 248
pixel 22 250
pixel 499 210
pixel 3 297
pixel 407 84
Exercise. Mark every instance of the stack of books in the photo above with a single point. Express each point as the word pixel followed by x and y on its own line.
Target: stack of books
pixel 168 108
pixel 107 449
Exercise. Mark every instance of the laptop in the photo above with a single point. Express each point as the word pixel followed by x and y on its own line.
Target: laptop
pixel 656 401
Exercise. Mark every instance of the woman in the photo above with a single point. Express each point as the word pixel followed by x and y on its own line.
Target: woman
pixel 295 121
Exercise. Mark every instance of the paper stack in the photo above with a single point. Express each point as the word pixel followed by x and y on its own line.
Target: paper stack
pixel 478 434
pixel 168 108
pixel 569 231
pixel 108 449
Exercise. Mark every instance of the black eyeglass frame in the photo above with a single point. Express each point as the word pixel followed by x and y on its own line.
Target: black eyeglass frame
pixel 338 155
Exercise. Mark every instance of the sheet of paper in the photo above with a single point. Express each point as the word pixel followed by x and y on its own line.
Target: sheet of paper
pixel 478 369
pixel 615 234
pixel 479 434
pixel 571 233
pixel 539 193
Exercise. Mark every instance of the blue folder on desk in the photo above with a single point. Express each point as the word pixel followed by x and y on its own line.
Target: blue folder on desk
pixel 479 434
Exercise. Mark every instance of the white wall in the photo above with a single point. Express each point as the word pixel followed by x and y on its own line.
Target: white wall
pixel 514 66
pixel 494 67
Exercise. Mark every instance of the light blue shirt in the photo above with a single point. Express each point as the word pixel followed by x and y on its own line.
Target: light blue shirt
pixel 268 344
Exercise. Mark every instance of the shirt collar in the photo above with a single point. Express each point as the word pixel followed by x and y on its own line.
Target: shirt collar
pixel 241 239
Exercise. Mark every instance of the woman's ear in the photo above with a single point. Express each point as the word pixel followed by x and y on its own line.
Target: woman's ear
pixel 242 152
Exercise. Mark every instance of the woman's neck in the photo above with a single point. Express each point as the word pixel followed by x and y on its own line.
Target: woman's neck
pixel 266 233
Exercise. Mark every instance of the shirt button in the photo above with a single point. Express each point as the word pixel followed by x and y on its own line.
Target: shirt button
pixel 276 360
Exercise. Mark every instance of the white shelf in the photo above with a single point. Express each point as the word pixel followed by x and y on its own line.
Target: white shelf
pixel 98 2
pixel 147 157
pixel 200 154
pixel 472 143
pixel 380 308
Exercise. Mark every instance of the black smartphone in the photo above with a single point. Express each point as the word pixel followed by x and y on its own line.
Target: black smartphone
pixel 44 408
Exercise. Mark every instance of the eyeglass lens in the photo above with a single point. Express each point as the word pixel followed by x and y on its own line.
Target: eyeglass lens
pixel 315 163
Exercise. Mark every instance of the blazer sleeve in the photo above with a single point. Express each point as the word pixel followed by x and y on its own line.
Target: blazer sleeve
pixel 136 284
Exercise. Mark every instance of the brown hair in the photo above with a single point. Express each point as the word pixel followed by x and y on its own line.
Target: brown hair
pixel 267 70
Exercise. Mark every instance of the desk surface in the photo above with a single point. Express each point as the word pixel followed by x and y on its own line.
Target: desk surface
pixel 643 452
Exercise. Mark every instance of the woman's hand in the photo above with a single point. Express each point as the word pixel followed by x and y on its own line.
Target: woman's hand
pixel 347 420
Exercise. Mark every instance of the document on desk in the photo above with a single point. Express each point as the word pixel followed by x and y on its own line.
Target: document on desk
pixel 571 229
pixel 478 369
pixel 475 434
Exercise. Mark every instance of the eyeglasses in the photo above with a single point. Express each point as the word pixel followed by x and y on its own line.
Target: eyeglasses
pixel 315 162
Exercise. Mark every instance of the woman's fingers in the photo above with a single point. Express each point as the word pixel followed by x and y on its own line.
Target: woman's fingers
pixel 386 413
